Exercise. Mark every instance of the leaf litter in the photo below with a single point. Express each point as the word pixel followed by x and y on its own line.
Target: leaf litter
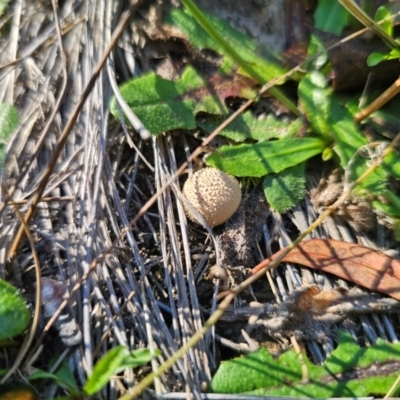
pixel 146 291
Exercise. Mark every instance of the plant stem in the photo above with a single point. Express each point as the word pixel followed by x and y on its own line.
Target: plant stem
pixel 358 13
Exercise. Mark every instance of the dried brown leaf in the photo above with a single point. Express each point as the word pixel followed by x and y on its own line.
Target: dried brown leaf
pixel 366 267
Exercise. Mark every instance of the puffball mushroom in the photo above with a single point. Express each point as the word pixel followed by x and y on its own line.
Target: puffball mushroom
pixel 214 194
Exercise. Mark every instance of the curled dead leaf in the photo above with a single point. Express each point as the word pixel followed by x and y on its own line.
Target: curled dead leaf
pixel 361 265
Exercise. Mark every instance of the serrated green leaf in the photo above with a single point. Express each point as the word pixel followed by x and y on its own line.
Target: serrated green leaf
pixel 265 157
pixel 247 126
pixel 259 374
pixel 9 121
pixel 14 312
pixel 285 190
pixel 381 13
pixel 164 105
pixel 241 52
pixel 159 103
pixel 263 61
pixel 330 16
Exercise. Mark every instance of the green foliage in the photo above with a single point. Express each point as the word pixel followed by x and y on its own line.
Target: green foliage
pixel 14 312
pixel 387 26
pixel 263 158
pixel 63 377
pixel 315 47
pixel 260 374
pixel 247 67
pixel 285 189
pixel 263 62
pixel 375 58
pixel 335 122
pixel 330 16
pixel 383 13
pixel 247 126
pixel 164 105
pixel 9 120
pixel 269 146
pixel 112 363
pixel 159 103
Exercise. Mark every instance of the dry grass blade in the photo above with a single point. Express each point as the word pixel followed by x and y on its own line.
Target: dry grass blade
pixel 71 122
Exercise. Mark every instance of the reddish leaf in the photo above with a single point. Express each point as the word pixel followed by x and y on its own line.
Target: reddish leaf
pixel 366 267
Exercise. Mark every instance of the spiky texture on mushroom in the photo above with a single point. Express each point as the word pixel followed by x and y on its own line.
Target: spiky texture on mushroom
pixel 214 194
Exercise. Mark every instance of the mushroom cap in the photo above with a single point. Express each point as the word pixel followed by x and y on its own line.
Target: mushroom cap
pixel 214 194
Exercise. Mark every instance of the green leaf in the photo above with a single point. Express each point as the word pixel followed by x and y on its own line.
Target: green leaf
pixel 139 357
pixel 285 190
pixel 334 121
pixel 159 103
pixel 247 126
pixel 253 60
pixel 14 312
pixel 9 121
pixel 381 13
pixel 330 16
pixel 112 363
pixel 265 157
pixel 265 63
pixel 164 105
pixel 375 58
pixel 66 378
pixel 105 368
pixel 62 377
pixel 391 164
pixel 259 374
pixel 317 46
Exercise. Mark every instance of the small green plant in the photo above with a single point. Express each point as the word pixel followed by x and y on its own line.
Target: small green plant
pixel 350 371
pixel 331 16
pixel 111 364
pixel 266 149
pixel 376 58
